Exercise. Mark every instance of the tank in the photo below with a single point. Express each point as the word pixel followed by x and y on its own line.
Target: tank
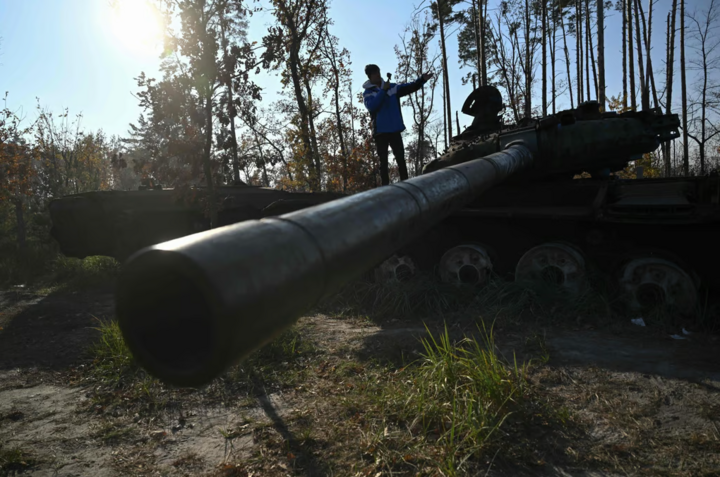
pixel 570 216
pixel 119 223
pixel 190 307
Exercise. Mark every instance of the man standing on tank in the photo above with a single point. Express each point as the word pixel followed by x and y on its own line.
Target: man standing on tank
pixel 382 100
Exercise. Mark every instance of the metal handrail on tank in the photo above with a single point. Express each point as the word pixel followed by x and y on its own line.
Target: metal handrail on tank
pixel 193 306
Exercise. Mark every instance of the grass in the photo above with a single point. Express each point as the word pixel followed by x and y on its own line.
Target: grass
pixel 446 411
pixel 273 364
pixel 424 297
pixel 42 266
pixel 15 460
pixel 459 409
pixel 83 273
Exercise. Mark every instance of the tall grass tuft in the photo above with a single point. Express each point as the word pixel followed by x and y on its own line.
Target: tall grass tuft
pixel 456 398
pixel 112 359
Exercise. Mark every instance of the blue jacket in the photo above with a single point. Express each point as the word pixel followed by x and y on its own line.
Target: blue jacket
pixel 384 106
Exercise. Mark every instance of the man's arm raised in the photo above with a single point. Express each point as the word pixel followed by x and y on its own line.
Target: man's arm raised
pixel 409 88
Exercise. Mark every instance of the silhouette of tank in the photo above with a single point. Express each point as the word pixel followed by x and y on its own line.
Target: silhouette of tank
pixel 499 201
pixel 119 223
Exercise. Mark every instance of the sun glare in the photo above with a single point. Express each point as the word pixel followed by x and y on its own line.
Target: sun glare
pixel 137 25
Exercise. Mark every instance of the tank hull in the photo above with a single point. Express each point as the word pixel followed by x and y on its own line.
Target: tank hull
pixel 118 223
pixel 608 222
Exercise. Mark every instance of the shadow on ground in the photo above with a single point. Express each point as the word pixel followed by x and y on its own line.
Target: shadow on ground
pixel 51 332
pixel 623 364
pixel 625 349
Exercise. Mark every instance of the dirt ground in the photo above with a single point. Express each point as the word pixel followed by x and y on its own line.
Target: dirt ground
pixel 637 404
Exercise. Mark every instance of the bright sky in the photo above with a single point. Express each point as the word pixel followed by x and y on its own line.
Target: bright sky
pixel 71 53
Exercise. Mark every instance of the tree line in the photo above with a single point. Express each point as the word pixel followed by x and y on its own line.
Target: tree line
pixel 204 122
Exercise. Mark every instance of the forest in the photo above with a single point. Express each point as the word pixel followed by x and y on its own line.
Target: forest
pixel 205 122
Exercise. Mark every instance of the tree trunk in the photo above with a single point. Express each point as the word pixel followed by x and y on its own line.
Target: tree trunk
pixel 477 13
pixel 445 117
pixel 313 134
pixel 567 60
pixel 592 50
pixel 528 63
pixel 207 166
pixel 703 105
pixel 483 30
pixel 644 92
pixel 631 60
pixel 683 92
pixel 446 81
pixel 352 116
pixel 601 54
pixel 21 229
pixel 552 60
pixel 669 76
pixel 624 55
pixel 236 162
pixel 579 51
pixel 341 133
pixel 265 178
pixel 338 116
pixel 587 53
pixel 231 108
pixel 544 59
pixel 294 62
pixel 648 40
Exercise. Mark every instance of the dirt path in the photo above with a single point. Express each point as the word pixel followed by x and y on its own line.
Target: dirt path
pixel 637 405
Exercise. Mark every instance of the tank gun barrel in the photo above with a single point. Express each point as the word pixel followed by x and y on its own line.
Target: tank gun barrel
pixel 190 307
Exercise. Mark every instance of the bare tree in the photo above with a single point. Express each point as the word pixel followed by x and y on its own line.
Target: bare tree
pixel 644 96
pixel 528 62
pixel 669 75
pixel 553 45
pixel 567 57
pixel 631 61
pixel 416 59
pixel 601 53
pixel 544 39
pixel 442 9
pixel 683 87
pixel 624 54
pixel 579 50
pixel 706 41
pixel 648 40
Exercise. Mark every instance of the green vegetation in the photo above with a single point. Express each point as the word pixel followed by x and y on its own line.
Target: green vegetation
pixel 447 408
pixel 425 297
pixel 114 365
pixel 112 357
pixel 42 266
pixel 14 460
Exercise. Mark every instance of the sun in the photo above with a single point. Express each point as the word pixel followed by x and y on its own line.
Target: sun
pixel 137 25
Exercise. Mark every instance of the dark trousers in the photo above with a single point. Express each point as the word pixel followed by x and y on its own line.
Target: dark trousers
pixel 394 140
